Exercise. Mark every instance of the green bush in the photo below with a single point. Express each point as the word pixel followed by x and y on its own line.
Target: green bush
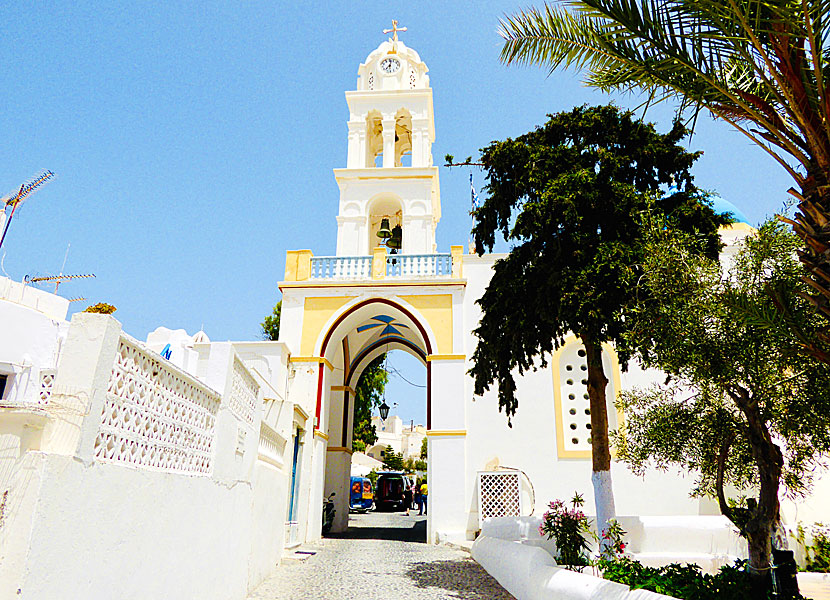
pixel 818 553
pixel 687 582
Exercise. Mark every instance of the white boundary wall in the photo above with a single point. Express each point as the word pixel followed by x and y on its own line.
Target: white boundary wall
pixel 81 524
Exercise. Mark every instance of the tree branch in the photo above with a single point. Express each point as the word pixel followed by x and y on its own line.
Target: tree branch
pixel 723 454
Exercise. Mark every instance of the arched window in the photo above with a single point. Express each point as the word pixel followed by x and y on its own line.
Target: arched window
pixel 403 138
pixel 374 139
pixel 573 408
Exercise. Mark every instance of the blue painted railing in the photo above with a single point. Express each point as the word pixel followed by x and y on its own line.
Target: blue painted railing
pixel 401 266
pixel 410 266
pixel 341 267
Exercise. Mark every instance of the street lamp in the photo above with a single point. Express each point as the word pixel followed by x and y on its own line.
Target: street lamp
pixel 384 410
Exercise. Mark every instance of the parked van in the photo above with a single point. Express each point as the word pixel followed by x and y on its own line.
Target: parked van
pixel 362 495
pixel 393 491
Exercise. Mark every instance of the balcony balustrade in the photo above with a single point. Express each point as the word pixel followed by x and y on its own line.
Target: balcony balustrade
pixel 410 266
pixel 398 266
pixel 341 267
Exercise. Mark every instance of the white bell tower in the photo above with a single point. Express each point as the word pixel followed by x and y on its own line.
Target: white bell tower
pixel 389 172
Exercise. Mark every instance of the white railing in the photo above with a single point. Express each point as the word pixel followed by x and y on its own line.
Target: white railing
pixel 341 267
pixel 155 415
pixel 271 446
pixel 408 266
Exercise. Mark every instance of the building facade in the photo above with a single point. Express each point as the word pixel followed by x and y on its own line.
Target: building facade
pixel 114 449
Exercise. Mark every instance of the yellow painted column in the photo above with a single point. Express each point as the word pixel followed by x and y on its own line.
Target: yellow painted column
pixel 379 262
pixel 457 253
pixel 298 265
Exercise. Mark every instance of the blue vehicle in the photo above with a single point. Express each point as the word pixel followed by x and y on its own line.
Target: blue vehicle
pixel 362 495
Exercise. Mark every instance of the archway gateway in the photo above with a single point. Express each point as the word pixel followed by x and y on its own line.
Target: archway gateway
pixel 356 337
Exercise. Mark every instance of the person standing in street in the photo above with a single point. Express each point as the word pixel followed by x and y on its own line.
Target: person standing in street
pixel 424 493
pixel 416 489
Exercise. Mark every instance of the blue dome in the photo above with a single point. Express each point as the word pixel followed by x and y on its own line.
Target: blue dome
pixel 725 206
pixel 719 205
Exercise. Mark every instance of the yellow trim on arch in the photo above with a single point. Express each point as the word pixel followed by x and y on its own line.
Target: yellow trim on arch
pixel 433 357
pixel 561 451
pixel 437 310
pixel 321 435
pixel 316 312
pixel 446 433
pixel 343 388
pixel 317 359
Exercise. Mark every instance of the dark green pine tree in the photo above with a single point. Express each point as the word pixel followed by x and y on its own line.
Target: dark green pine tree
pixel 571 198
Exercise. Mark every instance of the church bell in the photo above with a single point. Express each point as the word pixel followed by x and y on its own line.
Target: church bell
pixel 395 241
pixel 384 232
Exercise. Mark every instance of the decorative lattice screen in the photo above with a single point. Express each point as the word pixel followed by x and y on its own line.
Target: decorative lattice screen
pixel 499 494
pixel 155 415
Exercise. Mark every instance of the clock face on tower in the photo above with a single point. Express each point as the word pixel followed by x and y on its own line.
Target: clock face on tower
pixel 390 65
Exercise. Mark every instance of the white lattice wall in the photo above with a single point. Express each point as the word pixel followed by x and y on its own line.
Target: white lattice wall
pixel 47 380
pixel 244 394
pixel 499 494
pixel 155 415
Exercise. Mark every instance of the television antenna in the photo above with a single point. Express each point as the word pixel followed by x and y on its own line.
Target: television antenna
pixel 58 278
pixel 14 199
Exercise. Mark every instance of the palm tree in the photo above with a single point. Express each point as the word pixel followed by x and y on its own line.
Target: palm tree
pixel 761 66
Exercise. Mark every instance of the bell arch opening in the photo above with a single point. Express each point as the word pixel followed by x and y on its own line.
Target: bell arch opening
pixel 386 223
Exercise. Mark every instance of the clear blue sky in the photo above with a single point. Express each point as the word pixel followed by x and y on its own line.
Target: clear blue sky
pixel 194 143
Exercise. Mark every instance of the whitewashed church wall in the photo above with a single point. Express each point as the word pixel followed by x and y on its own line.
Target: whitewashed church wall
pixel 531 443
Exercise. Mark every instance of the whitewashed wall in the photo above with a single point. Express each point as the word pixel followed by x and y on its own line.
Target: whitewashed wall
pixel 530 445
pixel 105 509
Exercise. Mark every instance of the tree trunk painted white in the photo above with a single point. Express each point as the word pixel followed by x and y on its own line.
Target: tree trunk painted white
pixel 604 499
pixel 600 443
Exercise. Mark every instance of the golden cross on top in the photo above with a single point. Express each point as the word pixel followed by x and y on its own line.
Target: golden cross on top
pixel 394 31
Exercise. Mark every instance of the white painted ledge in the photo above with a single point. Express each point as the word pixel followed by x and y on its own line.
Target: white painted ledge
pixel 530 573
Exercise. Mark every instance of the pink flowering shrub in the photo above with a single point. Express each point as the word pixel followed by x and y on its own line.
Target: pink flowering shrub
pixel 569 528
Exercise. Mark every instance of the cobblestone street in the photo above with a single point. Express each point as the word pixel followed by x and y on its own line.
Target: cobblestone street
pixel 383 556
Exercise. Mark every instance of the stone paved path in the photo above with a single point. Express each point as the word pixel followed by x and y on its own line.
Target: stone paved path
pixel 383 556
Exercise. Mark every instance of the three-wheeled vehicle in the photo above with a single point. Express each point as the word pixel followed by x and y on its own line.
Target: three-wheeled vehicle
pixel 362 496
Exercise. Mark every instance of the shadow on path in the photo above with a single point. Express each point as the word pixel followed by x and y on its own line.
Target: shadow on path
pixel 417 533
pixel 463 579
